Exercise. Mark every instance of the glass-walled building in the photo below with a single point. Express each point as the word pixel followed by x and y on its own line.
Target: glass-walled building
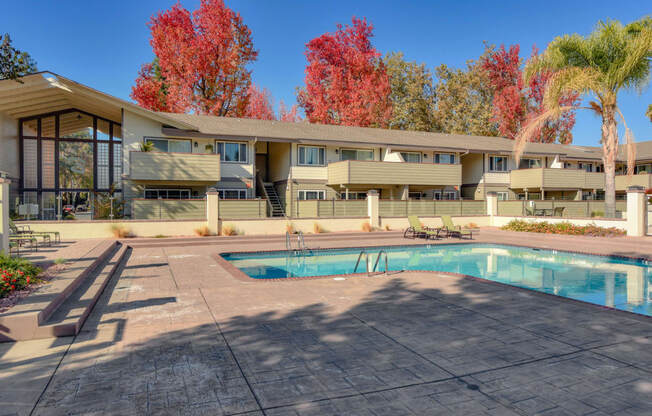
pixel 71 166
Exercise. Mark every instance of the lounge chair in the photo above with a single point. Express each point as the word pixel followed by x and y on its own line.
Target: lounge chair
pixel 529 212
pixel 453 230
pixel 415 230
pixel 19 240
pixel 26 230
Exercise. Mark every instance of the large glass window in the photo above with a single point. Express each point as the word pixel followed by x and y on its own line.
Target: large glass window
pixel 311 155
pixel 170 145
pixel 232 193
pixel 30 163
pixel 47 164
pixel 498 163
pixel 167 193
pixel 356 154
pixel 588 167
pixel 232 152
pixel 311 195
pixel 445 158
pixel 529 163
pixel 76 125
pixel 103 169
pixel 75 165
pixel 411 157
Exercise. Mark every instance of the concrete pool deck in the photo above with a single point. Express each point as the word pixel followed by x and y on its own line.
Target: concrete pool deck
pixel 176 333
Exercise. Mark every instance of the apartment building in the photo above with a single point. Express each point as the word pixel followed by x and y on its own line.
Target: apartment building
pixel 69 148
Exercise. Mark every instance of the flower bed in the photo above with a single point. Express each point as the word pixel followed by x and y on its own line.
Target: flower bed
pixel 15 274
pixel 562 228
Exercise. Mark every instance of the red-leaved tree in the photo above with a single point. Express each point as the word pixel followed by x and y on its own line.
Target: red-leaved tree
pixel 260 107
pixel 201 62
pixel 346 80
pixel 514 104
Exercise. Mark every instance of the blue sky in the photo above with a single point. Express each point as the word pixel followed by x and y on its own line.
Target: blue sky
pixel 102 44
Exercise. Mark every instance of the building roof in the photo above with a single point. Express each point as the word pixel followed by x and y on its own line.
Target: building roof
pixel 310 132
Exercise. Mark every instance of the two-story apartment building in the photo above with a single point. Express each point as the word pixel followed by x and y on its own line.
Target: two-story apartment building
pixel 69 148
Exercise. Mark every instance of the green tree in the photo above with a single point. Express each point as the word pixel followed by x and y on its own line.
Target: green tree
pixel 412 94
pixel 14 63
pixel 648 113
pixel 612 58
pixel 464 100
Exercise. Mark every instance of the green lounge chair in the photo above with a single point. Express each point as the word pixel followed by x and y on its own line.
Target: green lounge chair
pixel 453 230
pixel 19 240
pixel 416 230
pixel 26 230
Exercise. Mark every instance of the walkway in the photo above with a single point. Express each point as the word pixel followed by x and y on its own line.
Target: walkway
pixel 177 334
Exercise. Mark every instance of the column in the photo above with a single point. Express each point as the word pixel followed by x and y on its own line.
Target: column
pixel 4 215
pixel 405 194
pixel 373 210
pixel 636 211
pixel 213 211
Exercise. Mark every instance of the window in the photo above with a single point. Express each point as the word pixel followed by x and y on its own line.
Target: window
pixel 310 195
pixel 171 145
pixel 503 196
pixel 587 196
pixel 585 166
pixel 411 157
pixel 356 154
pixel 311 156
pixel 444 195
pixel 167 193
pixel 232 152
pixel 647 168
pixel 232 193
pixel 445 158
pixel 568 165
pixel 415 195
pixel 354 195
pixel 498 163
pixel 529 163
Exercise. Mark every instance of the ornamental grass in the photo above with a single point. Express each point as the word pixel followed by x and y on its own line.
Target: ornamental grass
pixel 565 227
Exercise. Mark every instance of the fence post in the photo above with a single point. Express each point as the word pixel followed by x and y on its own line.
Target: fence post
pixel 373 210
pixel 213 211
pixel 4 215
pixel 636 211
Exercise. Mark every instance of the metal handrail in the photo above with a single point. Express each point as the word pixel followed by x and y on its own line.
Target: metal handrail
pixel 358 262
pixel 288 243
pixel 381 252
pixel 301 244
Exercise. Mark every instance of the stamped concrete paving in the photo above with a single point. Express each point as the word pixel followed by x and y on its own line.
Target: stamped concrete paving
pixel 177 334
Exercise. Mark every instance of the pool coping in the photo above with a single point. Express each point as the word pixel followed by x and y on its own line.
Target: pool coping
pixel 242 276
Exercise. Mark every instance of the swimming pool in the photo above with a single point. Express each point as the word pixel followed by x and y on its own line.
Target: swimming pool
pixel 610 281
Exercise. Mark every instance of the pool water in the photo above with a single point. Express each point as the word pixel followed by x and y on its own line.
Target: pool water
pixel 610 281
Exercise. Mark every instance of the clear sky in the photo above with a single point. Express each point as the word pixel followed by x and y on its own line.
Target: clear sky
pixel 102 44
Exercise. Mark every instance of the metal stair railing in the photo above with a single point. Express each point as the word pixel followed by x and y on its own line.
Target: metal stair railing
pixel 380 253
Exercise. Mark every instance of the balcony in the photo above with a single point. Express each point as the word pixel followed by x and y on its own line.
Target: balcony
pixel 641 179
pixel 362 172
pixel 174 167
pixel 550 178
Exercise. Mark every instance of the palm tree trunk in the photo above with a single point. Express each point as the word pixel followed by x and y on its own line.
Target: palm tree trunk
pixel 610 151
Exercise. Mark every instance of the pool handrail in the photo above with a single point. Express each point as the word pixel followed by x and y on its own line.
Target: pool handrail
pixel 381 252
pixel 357 263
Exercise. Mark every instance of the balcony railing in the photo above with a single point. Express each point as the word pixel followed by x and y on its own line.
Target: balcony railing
pixel 552 178
pixel 351 172
pixel 160 166
pixel 641 179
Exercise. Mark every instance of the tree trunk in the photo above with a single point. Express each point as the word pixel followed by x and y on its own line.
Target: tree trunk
pixel 610 150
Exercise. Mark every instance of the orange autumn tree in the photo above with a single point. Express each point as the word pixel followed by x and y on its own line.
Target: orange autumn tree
pixel 201 62
pixel 346 81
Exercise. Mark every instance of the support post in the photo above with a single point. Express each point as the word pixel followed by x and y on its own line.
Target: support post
pixel 213 211
pixel 492 206
pixel 4 215
pixel 636 211
pixel 373 210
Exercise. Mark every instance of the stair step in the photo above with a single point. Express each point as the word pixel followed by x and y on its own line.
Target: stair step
pixel 72 313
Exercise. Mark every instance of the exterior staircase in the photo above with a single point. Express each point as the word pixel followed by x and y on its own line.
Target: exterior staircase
pixel 274 201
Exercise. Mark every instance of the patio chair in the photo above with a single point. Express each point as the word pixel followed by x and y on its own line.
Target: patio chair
pixel 529 211
pixel 26 230
pixel 415 230
pixel 453 230
pixel 558 211
pixel 19 240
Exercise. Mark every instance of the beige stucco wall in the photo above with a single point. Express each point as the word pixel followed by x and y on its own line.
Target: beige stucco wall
pixel 73 230
pixel 9 153
pixel 279 161
pixel 472 168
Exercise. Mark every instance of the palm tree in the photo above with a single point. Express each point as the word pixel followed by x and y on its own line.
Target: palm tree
pixel 610 59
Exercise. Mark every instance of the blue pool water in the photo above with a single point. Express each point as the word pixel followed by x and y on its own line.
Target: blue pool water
pixel 611 281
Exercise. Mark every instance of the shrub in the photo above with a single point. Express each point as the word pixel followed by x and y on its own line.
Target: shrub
pixel 59 260
pixel 15 274
pixel 316 228
pixel 472 225
pixel 387 227
pixel 203 231
pixel 120 231
pixel 366 227
pixel 289 227
pixel 160 236
pixel 228 230
pixel 562 228
pixel 597 214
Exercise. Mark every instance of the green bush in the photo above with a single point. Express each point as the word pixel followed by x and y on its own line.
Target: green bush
pixel 562 228
pixel 15 274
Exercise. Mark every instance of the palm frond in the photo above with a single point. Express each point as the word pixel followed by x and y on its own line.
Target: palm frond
pixel 634 70
pixel 630 145
pixel 569 80
pixel 532 127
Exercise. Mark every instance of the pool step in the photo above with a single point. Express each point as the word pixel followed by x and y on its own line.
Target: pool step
pixel 71 315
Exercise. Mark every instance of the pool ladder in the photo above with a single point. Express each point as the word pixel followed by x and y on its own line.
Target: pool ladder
pixel 301 243
pixel 366 255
